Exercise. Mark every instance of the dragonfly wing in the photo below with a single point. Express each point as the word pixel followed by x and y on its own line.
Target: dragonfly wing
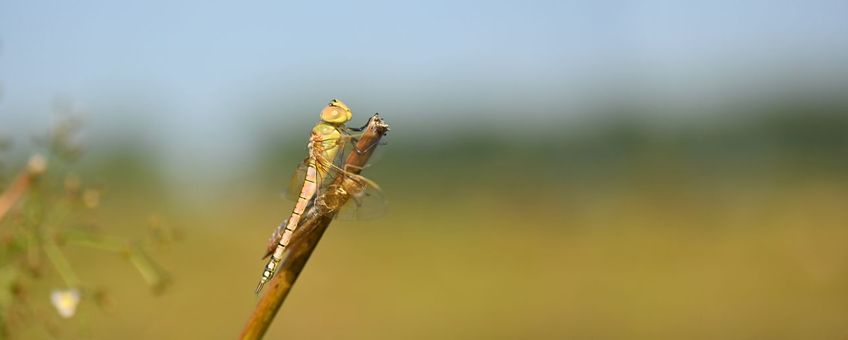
pixel 275 238
pixel 296 183
pixel 366 200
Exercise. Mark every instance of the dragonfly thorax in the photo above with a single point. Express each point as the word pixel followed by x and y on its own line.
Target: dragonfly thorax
pixel 325 144
pixel 326 134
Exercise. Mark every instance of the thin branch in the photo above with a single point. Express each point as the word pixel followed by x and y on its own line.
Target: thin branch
pixel 310 232
pixel 35 168
pixel 149 270
pixel 60 262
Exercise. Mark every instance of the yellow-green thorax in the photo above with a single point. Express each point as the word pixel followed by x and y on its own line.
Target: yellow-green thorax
pixel 326 136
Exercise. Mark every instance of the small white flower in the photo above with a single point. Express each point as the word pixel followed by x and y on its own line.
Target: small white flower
pixel 65 301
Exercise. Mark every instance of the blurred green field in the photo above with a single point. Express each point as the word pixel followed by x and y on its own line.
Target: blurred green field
pixel 625 234
pixel 622 266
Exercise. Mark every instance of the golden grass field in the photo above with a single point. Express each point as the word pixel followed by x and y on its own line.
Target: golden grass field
pixel 649 262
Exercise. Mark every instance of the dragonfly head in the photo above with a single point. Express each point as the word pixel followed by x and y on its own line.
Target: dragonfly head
pixel 336 113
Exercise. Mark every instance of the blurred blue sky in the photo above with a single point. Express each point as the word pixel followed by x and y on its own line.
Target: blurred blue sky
pixel 199 75
pixel 206 53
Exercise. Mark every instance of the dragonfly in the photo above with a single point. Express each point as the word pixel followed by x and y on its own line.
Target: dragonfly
pixel 329 141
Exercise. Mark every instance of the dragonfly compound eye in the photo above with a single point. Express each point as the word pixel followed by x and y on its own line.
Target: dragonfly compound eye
pixel 334 114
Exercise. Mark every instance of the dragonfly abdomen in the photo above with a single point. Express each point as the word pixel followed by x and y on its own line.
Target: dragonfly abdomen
pixel 307 193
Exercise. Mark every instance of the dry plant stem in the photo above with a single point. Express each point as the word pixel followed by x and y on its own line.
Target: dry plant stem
pixel 35 168
pixel 308 235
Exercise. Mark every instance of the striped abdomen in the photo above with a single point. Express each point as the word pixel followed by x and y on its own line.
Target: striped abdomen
pixel 323 146
pixel 307 192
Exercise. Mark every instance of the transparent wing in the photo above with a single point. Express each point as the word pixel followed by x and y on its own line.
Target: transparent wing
pixel 366 199
pixel 296 183
pixel 275 238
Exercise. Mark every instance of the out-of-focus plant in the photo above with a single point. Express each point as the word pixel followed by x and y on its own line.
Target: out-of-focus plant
pixel 46 209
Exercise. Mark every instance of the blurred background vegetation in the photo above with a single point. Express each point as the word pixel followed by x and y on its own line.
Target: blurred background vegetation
pixel 554 170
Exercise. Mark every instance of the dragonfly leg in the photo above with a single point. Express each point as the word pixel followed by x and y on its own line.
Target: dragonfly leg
pixel 362 151
pixel 362 127
pixel 347 167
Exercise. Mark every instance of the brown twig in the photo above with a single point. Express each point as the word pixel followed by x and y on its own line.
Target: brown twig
pixel 310 232
pixel 35 168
